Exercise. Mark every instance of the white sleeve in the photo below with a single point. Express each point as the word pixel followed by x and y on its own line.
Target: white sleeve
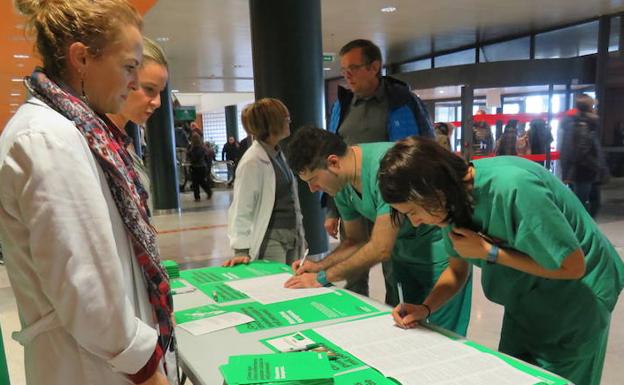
pixel 73 249
pixel 244 204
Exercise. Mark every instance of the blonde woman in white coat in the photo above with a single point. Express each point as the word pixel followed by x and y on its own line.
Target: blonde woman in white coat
pixel 93 302
pixel 264 220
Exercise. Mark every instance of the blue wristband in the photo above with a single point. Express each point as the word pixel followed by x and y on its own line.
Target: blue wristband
pixel 321 277
pixel 492 254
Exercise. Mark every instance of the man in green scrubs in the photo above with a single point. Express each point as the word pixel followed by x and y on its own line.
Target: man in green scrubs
pixel 323 160
pixel 542 256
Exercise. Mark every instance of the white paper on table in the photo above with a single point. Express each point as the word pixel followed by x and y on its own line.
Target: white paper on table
pixel 420 356
pixel 270 289
pixel 218 322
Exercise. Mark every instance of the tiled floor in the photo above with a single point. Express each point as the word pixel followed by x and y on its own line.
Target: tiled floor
pixel 198 237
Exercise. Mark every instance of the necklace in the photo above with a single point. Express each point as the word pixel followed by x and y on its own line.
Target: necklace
pixel 355 169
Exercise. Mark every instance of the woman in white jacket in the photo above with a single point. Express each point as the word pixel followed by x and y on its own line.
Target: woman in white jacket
pixel 93 301
pixel 264 220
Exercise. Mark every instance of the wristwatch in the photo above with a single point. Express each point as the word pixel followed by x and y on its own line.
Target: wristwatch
pixel 492 254
pixel 321 277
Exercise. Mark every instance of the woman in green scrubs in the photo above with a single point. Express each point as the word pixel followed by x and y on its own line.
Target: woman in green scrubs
pixel 542 256
pixel 418 257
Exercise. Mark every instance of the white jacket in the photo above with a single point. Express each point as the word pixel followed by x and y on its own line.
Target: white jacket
pixel 82 301
pixel 254 198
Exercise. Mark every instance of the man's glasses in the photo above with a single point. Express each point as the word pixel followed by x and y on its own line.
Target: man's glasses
pixel 352 68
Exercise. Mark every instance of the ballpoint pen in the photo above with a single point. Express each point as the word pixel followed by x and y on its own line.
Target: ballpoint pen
pixel 305 255
pixel 401 299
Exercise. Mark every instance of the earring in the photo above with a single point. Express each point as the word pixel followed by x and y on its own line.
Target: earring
pixel 83 95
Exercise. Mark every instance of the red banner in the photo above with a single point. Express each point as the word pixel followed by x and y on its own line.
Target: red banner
pixel 554 155
pixel 491 119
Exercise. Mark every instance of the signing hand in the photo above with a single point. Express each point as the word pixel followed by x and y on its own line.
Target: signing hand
pixel 331 226
pixel 469 244
pixel 307 267
pixel 302 281
pixel 237 260
pixel 408 315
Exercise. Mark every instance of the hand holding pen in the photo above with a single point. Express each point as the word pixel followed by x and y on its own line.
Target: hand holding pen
pixel 408 315
pixel 468 243
pixel 413 315
pixel 299 267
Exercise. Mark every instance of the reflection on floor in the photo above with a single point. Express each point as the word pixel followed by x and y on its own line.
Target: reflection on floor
pixel 198 237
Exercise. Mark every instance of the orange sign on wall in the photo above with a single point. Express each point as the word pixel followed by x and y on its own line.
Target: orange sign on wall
pixel 17 57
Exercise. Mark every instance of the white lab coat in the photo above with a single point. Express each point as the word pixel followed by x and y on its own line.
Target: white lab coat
pixel 254 198
pixel 81 297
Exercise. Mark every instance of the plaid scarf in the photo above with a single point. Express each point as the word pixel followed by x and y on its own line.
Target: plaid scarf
pixel 126 188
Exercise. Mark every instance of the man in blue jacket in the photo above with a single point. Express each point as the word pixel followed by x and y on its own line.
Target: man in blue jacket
pixel 374 108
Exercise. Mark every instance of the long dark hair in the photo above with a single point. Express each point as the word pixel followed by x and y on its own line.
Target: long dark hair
pixel 420 170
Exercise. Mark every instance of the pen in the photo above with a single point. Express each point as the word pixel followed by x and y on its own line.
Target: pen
pixel 306 348
pixel 401 299
pixel 305 255
pixel 215 296
pixel 487 238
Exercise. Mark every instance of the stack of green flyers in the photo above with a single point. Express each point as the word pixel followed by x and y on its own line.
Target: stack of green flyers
pixel 300 368
pixel 172 268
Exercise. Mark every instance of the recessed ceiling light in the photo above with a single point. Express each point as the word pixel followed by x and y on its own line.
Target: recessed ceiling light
pixel 441 91
pixel 388 9
pixel 162 39
pixel 17 80
pixel 175 91
pixel 21 56
pixel 16 94
pixel 13 104
pixel 327 69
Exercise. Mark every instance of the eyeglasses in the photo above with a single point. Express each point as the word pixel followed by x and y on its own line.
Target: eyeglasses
pixel 352 68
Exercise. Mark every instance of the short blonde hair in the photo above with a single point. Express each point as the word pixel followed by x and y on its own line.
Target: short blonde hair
pixel 264 117
pixel 59 23
pixel 154 52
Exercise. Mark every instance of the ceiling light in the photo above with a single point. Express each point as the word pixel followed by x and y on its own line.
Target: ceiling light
pixel 16 94
pixel 388 9
pixel 17 80
pixel 13 104
pixel 441 91
pixel 21 56
pixel 327 69
pixel 175 91
pixel 162 39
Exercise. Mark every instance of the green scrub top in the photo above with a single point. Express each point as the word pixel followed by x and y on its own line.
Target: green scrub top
pixel 370 205
pixel 524 207
pixel 418 256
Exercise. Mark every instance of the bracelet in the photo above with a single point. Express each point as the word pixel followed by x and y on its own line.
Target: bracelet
pixel 321 277
pixel 492 255
pixel 428 309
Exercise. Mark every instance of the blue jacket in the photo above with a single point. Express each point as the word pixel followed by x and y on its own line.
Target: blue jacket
pixel 407 114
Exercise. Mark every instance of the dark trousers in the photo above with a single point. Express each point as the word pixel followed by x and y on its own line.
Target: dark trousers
pixel 198 178
pixel 589 194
